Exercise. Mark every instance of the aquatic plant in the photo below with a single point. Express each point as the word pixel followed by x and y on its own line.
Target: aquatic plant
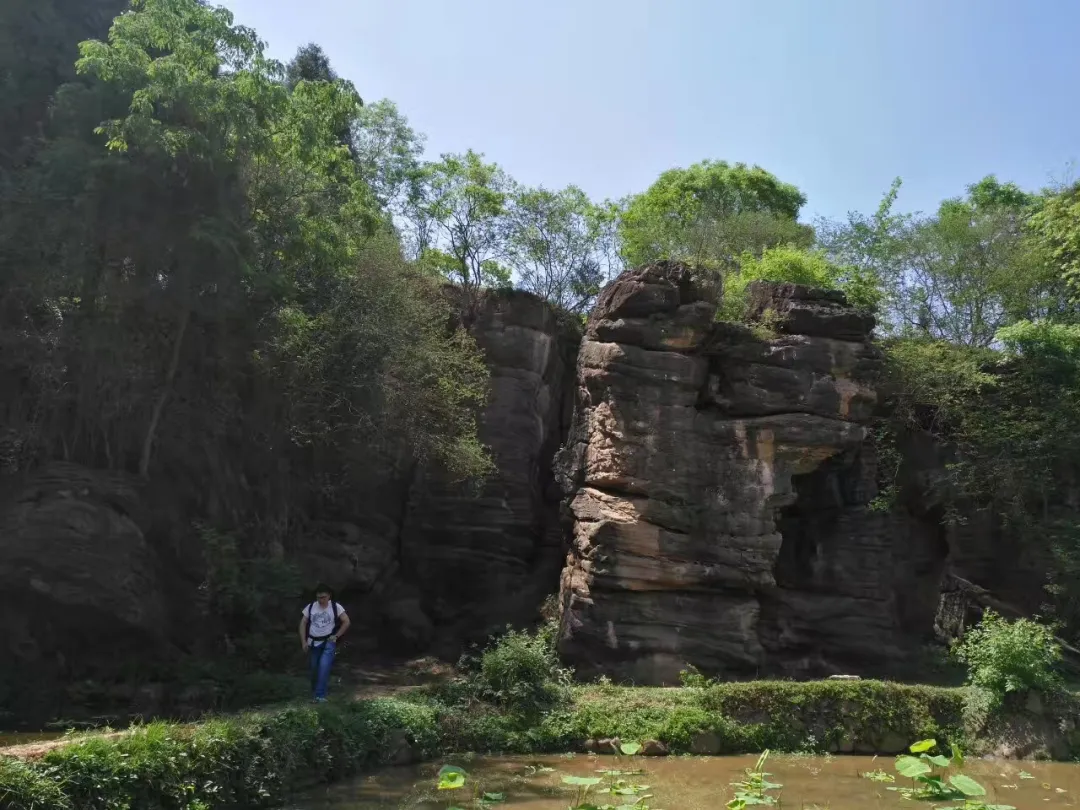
pixel 930 782
pixel 754 788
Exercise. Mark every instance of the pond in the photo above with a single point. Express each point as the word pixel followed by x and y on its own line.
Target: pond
pixel 686 783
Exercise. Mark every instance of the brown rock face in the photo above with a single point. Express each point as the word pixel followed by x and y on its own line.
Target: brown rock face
pixel 79 583
pixel 483 559
pixel 717 488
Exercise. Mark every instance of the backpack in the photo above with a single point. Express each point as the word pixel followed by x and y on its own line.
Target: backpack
pixel 333 610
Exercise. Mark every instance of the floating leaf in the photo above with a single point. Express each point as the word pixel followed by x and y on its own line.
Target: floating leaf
pixel 922 746
pixel 911 767
pixel 494 797
pixel 630 748
pixel 966 785
pixel 999 807
pixel 1026 775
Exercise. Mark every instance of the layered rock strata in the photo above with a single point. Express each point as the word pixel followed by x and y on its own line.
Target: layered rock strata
pixel 718 482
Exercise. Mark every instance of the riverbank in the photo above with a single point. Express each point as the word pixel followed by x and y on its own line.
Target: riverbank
pixel 258 759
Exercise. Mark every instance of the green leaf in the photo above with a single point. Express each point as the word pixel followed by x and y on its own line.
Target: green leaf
pixel 630 748
pixel 940 761
pixel 922 746
pixel 1026 775
pixel 451 777
pixel 494 797
pixel 966 785
pixel 911 767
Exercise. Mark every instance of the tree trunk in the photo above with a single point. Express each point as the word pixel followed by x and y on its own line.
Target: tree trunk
pixel 159 406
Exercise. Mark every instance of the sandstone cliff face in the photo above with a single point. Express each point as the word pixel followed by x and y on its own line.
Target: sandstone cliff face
pixel 718 488
pixel 90 575
pixel 485 558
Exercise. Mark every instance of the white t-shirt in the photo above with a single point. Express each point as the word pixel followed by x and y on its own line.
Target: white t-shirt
pixel 321 619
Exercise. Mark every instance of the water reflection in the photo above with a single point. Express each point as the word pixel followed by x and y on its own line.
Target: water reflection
pixel 688 783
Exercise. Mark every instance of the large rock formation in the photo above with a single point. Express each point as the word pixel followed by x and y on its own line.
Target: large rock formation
pixel 485 558
pixel 79 583
pixel 718 485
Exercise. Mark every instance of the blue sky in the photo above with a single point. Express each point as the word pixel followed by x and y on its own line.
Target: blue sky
pixel 836 96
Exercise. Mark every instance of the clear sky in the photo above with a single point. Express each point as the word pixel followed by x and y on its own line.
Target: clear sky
pixel 835 96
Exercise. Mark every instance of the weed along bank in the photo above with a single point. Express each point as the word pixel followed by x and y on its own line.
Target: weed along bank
pixel 313 753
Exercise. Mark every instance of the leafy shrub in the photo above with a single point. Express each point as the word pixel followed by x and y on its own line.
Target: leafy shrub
pixel 521 672
pixel 797 266
pixel 1005 656
pixel 692 678
pixel 518 672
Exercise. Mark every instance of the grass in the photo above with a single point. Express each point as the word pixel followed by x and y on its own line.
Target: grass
pixel 258 759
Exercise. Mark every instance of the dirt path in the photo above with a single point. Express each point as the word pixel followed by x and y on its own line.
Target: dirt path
pixel 357 682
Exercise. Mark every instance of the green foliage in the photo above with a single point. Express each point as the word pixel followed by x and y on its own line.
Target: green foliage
pixel 711 211
pixel 23 787
pixel 1007 421
pixel 217 268
pixel 755 789
pixel 554 240
pixel 518 672
pixel 247 597
pixel 248 761
pixel 457 206
pixel 1056 227
pixel 798 266
pixel 960 274
pixel 932 781
pixel 1005 656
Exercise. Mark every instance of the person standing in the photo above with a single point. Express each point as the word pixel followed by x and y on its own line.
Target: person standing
pixel 322 624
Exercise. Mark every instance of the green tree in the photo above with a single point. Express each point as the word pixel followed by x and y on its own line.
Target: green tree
pixel 457 208
pixel 311 64
pixel 555 243
pixel 712 211
pixel 388 152
pixel 1056 229
pixel 215 220
pixel 959 275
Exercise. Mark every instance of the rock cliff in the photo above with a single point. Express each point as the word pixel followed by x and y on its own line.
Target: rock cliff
pixel 718 486
pixel 710 505
pixel 99 569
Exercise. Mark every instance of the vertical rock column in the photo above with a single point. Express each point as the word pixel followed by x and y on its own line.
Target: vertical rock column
pixel 685 441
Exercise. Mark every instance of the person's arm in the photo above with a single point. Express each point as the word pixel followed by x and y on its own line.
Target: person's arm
pixel 303 631
pixel 343 619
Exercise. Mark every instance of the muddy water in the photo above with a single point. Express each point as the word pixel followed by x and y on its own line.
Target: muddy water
pixel 689 783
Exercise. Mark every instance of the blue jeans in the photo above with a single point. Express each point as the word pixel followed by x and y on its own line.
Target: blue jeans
pixel 320 659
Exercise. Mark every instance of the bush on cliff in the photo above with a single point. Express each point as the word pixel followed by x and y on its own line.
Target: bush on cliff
pixel 797 266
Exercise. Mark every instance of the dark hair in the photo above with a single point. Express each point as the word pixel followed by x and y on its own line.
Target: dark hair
pixel 323 588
